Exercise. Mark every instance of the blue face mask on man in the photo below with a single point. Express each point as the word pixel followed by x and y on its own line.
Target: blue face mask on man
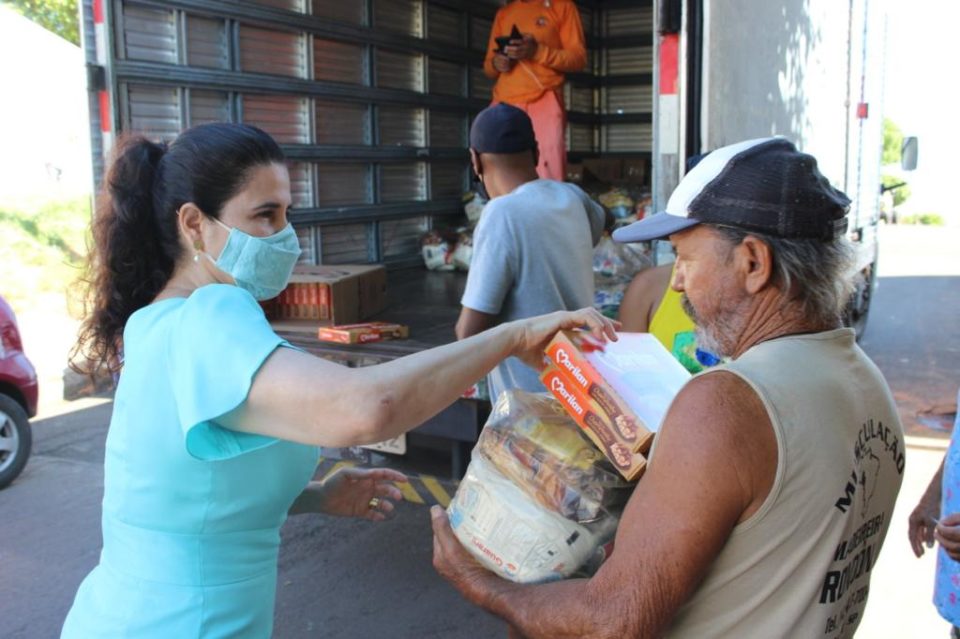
pixel 262 266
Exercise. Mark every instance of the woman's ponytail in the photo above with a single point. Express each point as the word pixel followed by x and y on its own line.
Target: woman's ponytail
pixel 135 247
pixel 136 240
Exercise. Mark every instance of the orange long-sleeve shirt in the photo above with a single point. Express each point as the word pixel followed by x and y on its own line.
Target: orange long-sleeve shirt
pixel 555 24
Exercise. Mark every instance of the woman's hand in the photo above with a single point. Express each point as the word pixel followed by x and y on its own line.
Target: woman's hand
pixel 534 333
pixel 922 522
pixel 360 492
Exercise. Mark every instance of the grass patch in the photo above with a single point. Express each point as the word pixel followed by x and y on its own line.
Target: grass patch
pixel 926 219
pixel 43 249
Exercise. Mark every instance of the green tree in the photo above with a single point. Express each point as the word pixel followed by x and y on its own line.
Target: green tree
pixel 892 141
pixel 900 194
pixel 59 16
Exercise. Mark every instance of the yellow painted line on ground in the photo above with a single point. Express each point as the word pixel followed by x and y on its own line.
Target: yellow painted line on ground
pixel 421 489
pixel 436 489
pixel 338 466
pixel 410 493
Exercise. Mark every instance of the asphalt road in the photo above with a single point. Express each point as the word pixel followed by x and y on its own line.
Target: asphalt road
pixel 912 333
pixel 337 577
pixel 342 578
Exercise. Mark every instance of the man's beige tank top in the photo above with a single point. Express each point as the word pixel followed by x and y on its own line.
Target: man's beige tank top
pixel 801 565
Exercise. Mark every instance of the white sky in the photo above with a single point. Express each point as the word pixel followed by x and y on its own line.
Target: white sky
pixel 43 124
pixel 921 97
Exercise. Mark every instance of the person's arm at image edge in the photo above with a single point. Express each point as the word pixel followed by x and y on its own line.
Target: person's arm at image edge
pixel 699 486
pixel 924 517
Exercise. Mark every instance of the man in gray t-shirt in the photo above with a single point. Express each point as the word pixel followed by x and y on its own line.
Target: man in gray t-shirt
pixel 533 247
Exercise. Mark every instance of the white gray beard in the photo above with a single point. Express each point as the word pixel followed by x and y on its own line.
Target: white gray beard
pixel 710 338
pixel 707 342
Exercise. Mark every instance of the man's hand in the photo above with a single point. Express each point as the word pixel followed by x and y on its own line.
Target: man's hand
pixel 922 522
pixel 455 564
pixel 502 63
pixel 522 49
pixel 947 532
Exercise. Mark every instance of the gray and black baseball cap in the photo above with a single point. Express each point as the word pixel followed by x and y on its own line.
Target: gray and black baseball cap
pixel 765 185
pixel 502 128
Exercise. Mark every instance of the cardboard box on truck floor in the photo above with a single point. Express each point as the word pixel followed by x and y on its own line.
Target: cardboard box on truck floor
pixel 329 294
pixel 362 333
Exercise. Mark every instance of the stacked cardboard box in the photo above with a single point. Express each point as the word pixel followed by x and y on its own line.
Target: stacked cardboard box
pixel 617 392
pixel 329 294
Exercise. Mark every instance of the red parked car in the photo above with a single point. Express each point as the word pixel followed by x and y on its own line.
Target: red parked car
pixel 18 398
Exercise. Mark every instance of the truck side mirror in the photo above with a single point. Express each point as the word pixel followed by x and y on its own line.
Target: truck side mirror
pixel 908 154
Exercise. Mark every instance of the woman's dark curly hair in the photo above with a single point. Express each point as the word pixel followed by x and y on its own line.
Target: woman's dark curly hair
pixel 136 241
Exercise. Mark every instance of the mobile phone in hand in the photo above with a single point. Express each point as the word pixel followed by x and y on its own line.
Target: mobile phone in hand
pixel 503 41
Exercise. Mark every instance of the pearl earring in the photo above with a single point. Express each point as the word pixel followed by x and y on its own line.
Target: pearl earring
pixel 197 246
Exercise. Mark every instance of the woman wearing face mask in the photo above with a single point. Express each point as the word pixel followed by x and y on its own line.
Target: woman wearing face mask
pixel 216 419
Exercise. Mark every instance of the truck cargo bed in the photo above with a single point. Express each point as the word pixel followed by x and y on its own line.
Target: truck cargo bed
pixel 429 303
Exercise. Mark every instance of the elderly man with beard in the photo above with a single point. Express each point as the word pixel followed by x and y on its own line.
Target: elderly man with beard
pixel 761 513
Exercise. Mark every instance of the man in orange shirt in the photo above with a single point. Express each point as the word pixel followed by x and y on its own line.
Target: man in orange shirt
pixel 529 70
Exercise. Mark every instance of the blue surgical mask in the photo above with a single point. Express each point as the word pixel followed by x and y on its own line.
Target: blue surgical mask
pixel 262 266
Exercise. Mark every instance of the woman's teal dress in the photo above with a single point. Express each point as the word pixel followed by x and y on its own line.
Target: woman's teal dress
pixel 191 511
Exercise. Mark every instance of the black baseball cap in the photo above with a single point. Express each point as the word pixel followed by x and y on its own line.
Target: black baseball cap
pixel 502 128
pixel 766 186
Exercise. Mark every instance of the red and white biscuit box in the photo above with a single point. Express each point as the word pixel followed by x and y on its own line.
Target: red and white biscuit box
pixel 363 333
pixel 600 430
pixel 633 380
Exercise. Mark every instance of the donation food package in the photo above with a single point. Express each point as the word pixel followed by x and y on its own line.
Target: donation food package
pixel 437 252
pixel 463 252
pixel 530 439
pixel 616 438
pixel 618 201
pixel 538 502
pixel 473 206
pixel 447 250
pixel 614 266
pixel 627 386
pixel 618 261
pixel 363 333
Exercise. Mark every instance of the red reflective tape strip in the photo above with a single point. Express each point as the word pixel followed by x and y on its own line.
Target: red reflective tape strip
pixel 105 126
pixel 98 11
pixel 669 67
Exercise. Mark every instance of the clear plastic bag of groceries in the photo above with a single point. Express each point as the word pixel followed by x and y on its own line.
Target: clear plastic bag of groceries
pixel 614 265
pixel 619 262
pixel 539 502
pixel 437 251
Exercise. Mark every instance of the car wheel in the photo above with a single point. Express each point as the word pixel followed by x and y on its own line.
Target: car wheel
pixel 15 439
